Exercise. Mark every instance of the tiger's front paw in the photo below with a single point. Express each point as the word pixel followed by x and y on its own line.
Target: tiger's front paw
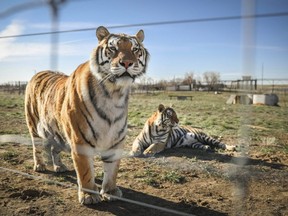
pixel 149 152
pixel 88 199
pixel 106 196
pixel 39 167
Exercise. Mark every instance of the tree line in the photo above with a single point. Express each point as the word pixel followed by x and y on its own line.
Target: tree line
pixel 210 81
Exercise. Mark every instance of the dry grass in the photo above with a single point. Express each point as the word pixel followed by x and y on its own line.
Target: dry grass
pixel 187 180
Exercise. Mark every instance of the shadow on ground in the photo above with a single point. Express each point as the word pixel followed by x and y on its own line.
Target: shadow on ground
pixel 122 208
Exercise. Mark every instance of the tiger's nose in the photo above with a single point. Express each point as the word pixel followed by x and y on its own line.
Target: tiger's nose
pixel 126 64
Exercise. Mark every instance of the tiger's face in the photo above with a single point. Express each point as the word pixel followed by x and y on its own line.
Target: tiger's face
pixel 119 58
pixel 166 117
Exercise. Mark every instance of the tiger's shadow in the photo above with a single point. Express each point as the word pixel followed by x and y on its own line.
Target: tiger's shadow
pixel 225 157
pixel 122 208
pixel 139 199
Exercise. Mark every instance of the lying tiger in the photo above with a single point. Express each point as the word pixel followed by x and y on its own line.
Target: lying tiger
pixel 161 131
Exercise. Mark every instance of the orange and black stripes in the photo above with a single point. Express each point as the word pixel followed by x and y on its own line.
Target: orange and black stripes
pixel 87 109
pixel 162 127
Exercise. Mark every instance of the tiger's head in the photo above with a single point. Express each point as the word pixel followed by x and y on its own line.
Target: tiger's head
pixel 118 58
pixel 166 117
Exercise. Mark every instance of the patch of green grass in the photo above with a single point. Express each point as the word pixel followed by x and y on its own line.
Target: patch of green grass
pixel 151 181
pixel 12 116
pixel 207 111
pixel 150 173
pixel 154 179
pixel 9 155
pixel 151 178
pixel 173 177
pixel 285 149
pixel 228 125
pixel 60 178
pixel 268 149
pixel 28 167
pixel 192 159
pixel 11 101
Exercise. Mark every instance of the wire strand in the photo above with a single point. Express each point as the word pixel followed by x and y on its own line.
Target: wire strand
pixel 172 22
pixel 96 192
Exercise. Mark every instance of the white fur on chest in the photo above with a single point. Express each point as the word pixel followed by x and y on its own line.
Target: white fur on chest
pixel 108 134
pixel 109 118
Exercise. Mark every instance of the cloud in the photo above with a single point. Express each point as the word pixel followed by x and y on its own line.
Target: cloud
pixel 14 28
pixel 37 50
pixel 12 48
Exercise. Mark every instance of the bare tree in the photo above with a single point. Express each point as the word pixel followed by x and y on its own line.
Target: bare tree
pixel 211 78
pixel 188 79
pixel 162 85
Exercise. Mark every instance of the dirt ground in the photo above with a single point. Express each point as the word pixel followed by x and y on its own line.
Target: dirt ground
pixel 184 180
pixel 253 181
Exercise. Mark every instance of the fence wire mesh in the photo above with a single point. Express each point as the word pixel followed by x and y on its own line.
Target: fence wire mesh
pixel 248 17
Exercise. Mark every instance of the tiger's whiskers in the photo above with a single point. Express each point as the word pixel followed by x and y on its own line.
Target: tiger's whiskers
pixel 104 79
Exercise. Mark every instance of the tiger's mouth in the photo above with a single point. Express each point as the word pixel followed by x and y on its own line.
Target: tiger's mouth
pixel 169 125
pixel 123 75
pixel 126 74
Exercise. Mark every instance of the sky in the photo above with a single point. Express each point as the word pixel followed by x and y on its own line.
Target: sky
pixel 232 48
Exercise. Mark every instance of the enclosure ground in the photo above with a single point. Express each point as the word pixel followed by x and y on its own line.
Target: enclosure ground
pixel 253 181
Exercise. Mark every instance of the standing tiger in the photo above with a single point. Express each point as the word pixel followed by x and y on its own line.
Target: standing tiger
pixel 161 131
pixel 88 110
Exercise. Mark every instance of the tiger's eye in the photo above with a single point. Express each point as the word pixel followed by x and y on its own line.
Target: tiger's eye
pixel 112 48
pixel 169 113
pixel 135 49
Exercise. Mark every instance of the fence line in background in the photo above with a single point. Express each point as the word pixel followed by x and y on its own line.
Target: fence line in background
pixel 17 87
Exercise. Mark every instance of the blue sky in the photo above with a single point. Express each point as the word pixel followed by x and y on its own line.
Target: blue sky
pixel 175 49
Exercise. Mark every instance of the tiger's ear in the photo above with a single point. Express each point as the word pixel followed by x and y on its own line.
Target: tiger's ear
pixel 101 33
pixel 140 35
pixel 161 107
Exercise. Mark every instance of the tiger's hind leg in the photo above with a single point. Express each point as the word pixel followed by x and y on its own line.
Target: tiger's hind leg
pixel 48 149
pixel 214 143
pixel 56 159
pixel 190 140
pixel 39 165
